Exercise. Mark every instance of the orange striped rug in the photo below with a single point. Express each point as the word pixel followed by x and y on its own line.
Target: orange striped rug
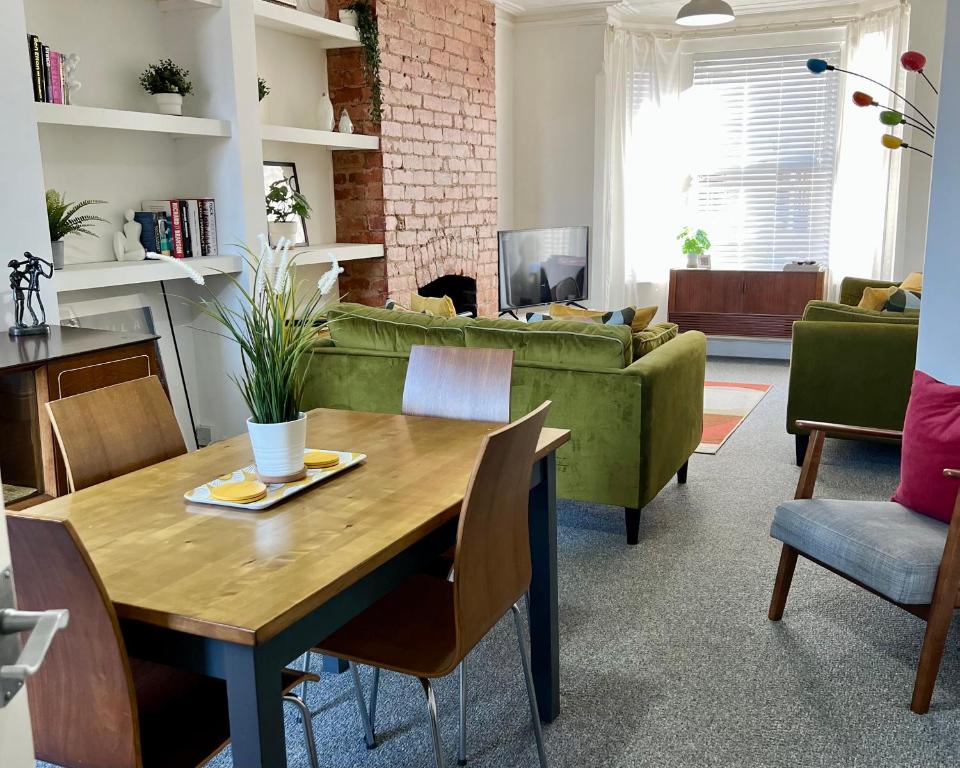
pixel 725 405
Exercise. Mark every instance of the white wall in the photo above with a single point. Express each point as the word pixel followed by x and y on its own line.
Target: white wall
pixel 505 73
pixel 939 349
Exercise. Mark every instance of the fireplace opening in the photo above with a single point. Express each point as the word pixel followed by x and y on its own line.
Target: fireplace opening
pixel 460 288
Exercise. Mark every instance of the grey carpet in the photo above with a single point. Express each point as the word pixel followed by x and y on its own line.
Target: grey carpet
pixel 667 655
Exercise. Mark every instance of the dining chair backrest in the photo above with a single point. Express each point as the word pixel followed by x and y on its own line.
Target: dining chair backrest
pixel 459 383
pixel 82 701
pixel 111 431
pixel 492 560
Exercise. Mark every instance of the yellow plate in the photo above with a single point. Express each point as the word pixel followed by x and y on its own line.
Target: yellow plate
pixel 320 459
pixel 240 492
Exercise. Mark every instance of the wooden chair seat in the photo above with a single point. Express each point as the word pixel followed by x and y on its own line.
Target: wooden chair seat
pixel 411 631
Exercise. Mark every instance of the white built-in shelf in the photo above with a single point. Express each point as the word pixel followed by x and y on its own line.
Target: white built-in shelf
pixel 329 139
pixel 185 5
pixel 104 274
pixel 329 33
pixel 125 120
pixel 324 254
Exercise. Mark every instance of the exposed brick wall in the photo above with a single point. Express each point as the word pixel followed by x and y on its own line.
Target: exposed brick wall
pixel 430 193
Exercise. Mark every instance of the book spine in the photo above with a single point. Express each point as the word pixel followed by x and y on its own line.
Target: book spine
pixel 187 232
pixel 34 49
pixel 45 62
pixel 148 229
pixel 176 229
pixel 213 245
pixel 163 233
pixel 64 95
pixel 56 85
pixel 202 217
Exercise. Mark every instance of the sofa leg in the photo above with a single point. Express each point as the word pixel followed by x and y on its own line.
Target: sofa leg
pixel 682 472
pixel 802 442
pixel 633 524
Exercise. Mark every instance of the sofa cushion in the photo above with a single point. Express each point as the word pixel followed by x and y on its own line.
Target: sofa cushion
pixel 841 313
pixel 356 326
pixel 881 544
pixel 902 301
pixel 875 299
pixel 655 336
pixel 555 341
pixel 931 444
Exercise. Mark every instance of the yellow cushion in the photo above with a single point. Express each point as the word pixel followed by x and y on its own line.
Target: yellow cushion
pixel 876 298
pixel 914 282
pixel 641 319
pixel 442 307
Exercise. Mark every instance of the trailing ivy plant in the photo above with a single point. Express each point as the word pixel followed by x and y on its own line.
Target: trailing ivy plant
pixel 369 34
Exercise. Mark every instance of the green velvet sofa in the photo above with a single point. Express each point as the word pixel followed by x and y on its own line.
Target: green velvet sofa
pixel 634 423
pixel 851 365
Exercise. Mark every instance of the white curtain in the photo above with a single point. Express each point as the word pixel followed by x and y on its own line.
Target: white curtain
pixel 641 182
pixel 863 225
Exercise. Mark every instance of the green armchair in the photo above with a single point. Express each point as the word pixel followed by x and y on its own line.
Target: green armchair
pixel 850 365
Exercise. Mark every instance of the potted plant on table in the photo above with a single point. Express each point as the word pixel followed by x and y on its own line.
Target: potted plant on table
pixel 64 219
pixel 168 84
pixel 285 204
pixel 695 245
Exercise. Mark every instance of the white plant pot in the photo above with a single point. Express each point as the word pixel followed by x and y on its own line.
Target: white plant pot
pixel 278 448
pixel 169 103
pixel 348 17
pixel 57 248
pixel 278 229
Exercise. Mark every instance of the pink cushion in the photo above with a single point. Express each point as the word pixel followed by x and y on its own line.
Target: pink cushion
pixel 931 443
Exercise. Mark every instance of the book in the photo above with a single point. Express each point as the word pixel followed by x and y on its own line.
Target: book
pixel 33 43
pixel 209 212
pixel 185 228
pixel 172 209
pixel 149 230
pixel 56 82
pixel 163 226
pixel 45 63
pixel 196 236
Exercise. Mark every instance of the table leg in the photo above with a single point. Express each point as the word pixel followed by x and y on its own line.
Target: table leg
pixel 544 611
pixel 256 708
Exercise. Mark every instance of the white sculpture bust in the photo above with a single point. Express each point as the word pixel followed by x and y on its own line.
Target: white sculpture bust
pixel 126 244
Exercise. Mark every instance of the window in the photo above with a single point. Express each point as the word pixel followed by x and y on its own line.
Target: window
pixel 764 186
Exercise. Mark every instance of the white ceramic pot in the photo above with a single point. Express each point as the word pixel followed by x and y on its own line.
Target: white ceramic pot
pixel 692 261
pixel 325 114
pixel 57 248
pixel 278 448
pixel 169 103
pixel 278 229
pixel 348 17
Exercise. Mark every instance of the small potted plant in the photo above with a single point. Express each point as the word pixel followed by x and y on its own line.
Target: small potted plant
pixel 695 245
pixel 65 219
pixel 284 205
pixel 168 84
pixel 263 90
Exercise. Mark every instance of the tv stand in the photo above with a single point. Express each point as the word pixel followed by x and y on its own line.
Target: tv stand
pixel 573 304
pixel 508 312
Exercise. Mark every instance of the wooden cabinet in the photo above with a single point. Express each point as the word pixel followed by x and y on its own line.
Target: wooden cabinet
pixel 741 302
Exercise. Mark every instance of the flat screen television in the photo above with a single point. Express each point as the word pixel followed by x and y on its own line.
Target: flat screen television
pixel 541 266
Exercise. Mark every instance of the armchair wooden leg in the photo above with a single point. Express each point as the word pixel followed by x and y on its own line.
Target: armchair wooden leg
pixel 930 655
pixel 781 588
pixel 632 516
pixel 682 472
pixel 802 441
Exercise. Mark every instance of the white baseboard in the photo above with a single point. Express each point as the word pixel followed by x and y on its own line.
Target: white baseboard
pixel 744 346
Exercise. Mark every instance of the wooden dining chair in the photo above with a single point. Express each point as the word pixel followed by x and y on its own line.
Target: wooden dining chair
pixel 427 626
pixel 90 703
pixel 459 383
pixel 111 431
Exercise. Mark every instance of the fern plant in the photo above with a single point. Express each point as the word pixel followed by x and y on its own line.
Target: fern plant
pixel 65 218
pixel 369 33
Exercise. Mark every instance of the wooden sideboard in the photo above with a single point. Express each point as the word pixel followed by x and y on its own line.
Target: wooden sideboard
pixel 722 302
pixel 37 369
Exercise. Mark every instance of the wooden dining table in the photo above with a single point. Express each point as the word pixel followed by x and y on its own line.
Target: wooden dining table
pixel 239 594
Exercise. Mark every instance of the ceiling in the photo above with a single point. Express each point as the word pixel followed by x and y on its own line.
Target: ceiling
pixel 667 9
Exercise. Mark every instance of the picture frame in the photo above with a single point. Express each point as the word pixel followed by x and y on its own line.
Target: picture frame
pixel 273 171
pixel 703 261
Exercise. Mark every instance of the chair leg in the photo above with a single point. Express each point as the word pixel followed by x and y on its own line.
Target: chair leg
pixel 528 678
pixel 462 747
pixel 938 625
pixel 368 735
pixel 434 721
pixel 632 516
pixel 802 441
pixel 781 588
pixel 304 717
pixel 302 693
pixel 682 473
pixel 373 701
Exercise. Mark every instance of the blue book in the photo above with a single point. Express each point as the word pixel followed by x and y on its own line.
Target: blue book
pixel 149 230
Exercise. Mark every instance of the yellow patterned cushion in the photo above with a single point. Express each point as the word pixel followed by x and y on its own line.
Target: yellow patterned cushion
pixel 876 298
pixel 914 282
pixel 640 320
pixel 442 307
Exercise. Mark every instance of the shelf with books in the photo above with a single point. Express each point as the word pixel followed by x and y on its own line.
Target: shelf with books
pixel 125 120
pixel 329 33
pixel 328 139
pixel 104 274
pixel 325 253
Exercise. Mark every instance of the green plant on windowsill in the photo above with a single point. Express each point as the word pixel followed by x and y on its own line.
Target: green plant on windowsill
pixel 695 244
pixel 369 34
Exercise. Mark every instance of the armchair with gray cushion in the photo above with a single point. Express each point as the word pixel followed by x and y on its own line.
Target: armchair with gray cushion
pixel 906 558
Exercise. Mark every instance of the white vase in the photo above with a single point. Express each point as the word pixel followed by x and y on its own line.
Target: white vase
pixel 692 261
pixel 278 448
pixel 169 103
pixel 57 248
pixel 348 17
pixel 325 113
pixel 278 229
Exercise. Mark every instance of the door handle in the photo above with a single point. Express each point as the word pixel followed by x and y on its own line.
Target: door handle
pixel 17 665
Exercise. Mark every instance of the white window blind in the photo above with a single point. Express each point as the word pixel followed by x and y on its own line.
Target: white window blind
pixel 765 187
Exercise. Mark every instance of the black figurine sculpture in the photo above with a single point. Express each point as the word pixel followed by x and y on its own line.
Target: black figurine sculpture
pixel 25 277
